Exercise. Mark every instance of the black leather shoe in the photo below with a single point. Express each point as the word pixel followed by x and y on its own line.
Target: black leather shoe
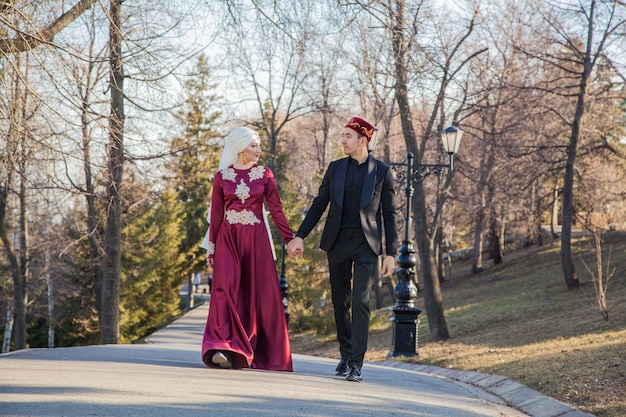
pixel 354 375
pixel 342 369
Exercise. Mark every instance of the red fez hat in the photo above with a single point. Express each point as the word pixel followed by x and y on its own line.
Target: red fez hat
pixel 361 127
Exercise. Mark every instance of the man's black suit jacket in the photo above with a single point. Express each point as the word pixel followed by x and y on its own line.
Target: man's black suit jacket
pixel 377 210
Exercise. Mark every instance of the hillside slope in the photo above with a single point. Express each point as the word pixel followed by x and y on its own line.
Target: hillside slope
pixel 519 320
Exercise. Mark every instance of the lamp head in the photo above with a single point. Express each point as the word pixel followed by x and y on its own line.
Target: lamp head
pixel 451 138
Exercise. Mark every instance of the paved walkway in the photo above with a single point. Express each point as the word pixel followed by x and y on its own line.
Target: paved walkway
pixel 166 377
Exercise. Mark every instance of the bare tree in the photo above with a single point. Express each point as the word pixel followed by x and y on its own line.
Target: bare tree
pixel 78 95
pixel 14 43
pixel 575 56
pixel 499 132
pixel 23 41
pixel 16 163
pixel 111 266
pixel 324 90
pixel 600 277
pixel 272 63
pixel 140 60
pixel 455 58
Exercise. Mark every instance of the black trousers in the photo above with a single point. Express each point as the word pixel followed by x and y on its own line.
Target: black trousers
pixel 352 265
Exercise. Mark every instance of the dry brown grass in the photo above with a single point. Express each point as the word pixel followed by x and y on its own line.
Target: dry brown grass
pixel 519 320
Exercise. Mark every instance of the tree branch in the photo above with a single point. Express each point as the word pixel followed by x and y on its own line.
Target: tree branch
pixel 25 42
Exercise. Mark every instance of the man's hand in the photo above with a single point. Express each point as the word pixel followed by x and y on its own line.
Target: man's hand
pixel 389 265
pixel 295 247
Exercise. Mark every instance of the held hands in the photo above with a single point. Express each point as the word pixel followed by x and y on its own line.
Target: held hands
pixel 389 264
pixel 295 247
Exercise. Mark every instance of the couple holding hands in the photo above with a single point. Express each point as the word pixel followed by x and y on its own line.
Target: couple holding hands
pixel 246 326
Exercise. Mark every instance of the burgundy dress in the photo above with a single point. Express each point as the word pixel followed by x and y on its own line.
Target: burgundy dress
pixel 246 313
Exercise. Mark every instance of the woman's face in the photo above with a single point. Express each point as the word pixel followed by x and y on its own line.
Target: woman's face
pixel 252 153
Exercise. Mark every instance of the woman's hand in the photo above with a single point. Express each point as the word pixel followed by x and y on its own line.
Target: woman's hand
pixel 295 247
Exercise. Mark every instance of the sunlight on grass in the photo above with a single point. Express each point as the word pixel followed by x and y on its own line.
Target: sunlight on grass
pixel 460 309
pixel 519 320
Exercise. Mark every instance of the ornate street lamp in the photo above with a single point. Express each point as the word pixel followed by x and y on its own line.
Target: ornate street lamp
pixel 406 320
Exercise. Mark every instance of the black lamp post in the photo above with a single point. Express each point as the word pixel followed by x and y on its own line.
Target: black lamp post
pixel 406 320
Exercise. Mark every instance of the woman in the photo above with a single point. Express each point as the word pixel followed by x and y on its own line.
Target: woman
pixel 246 325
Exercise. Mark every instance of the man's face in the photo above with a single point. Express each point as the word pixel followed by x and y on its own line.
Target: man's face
pixel 351 142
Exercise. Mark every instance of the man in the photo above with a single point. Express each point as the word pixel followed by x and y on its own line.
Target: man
pixel 359 189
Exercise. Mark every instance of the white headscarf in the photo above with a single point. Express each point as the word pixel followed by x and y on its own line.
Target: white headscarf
pixel 236 141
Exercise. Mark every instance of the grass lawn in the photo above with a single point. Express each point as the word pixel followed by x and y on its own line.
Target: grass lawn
pixel 519 320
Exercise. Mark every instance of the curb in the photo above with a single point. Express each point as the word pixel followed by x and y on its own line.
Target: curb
pixel 512 393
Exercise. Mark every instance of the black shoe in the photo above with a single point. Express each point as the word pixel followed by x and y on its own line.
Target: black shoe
pixel 354 375
pixel 342 369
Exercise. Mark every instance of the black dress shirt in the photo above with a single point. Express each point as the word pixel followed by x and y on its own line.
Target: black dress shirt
pixel 355 175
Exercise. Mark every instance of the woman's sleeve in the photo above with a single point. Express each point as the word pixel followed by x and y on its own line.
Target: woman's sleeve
pixel 276 208
pixel 216 215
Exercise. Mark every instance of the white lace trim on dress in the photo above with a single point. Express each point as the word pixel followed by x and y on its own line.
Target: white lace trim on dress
pixel 245 217
pixel 256 173
pixel 242 191
pixel 229 174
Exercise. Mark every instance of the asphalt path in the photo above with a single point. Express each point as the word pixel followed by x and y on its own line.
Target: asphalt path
pixel 166 377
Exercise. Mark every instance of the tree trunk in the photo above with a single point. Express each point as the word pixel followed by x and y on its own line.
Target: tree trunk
pixel 538 212
pixel 92 212
pixel 109 327
pixel 8 329
pixel 50 294
pixel 569 272
pixel 477 251
pixel 16 248
pixel 14 267
pixel 554 221
pixel 485 199
pixel 433 299
pixel 495 242
pixel 432 292
pixel 19 276
pixel 441 273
